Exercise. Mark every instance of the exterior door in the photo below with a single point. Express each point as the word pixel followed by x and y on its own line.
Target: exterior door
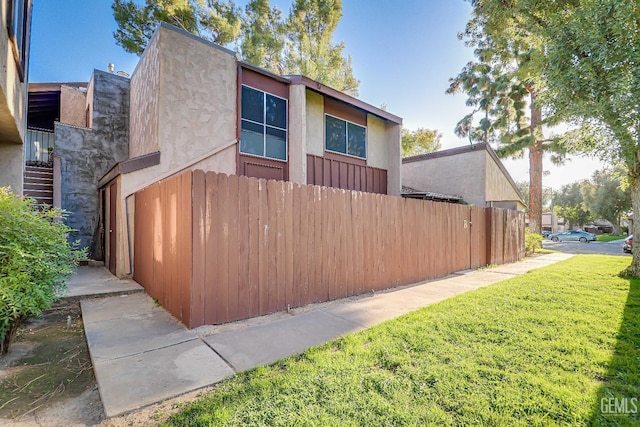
pixel 112 227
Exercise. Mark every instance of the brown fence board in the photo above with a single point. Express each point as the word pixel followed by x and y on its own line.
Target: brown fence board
pixel 199 248
pixel 214 249
pixel 211 239
pixel 235 213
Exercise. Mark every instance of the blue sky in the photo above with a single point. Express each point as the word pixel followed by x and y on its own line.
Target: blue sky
pixel 403 52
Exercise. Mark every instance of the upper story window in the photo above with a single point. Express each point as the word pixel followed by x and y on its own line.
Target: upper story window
pixel 344 137
pixel 263 124
pixel 17 25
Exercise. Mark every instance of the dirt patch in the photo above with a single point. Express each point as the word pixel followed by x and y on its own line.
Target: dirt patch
pixel 47 376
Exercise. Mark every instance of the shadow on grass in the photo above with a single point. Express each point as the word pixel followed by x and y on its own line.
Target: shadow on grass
pixel 618 401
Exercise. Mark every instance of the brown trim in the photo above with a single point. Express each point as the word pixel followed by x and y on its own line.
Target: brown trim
pixel 332 172
pixel 347 99
pixel 261 167
pixel 263 71
pixel 265 83
pixel 344 111
pixel 344 158
pixel 130 165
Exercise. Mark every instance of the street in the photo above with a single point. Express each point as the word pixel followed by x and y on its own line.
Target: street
pixel 604 248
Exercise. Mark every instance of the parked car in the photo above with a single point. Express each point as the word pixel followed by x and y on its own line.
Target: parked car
pixel 628 244
pixel 545 233
pixel 573 236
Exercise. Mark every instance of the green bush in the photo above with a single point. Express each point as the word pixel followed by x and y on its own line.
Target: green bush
pixel 35 259
pixel 532 241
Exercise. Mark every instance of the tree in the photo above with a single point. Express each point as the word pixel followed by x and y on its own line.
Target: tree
pixel 215 20
pixel 607 197
pixel 502 86
pixel 420 141
pixel 263 35
pixel 310 50
pixel 590 57
pixel 569 202
pixel 301 43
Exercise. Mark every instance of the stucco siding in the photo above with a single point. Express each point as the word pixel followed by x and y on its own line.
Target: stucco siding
pixel 11 166
pixel 394 159
pixel 459 175
pixel 145 93
pixel 377 153
pixel 498 187
pixel 87 154
pixel 297 134
pixel 73 102
pixel 315 123
pixel 197 111
pixel 13 112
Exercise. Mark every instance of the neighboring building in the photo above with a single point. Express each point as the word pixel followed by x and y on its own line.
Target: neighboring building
pixel 472 172
pixel 194 105
pixel 552 223
pixel 86 128
pixel 14 62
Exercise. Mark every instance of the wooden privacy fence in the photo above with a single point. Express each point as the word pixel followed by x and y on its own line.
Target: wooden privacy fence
pixel 214 248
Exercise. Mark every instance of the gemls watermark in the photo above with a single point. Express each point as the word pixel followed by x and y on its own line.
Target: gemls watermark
pixel 619 405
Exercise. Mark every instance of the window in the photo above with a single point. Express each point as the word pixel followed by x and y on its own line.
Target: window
pixel 263 124
pixel 17 26
pixel 345 137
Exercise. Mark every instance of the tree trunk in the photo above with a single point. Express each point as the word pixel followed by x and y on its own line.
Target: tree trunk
pixel 535 170
pixel 634 269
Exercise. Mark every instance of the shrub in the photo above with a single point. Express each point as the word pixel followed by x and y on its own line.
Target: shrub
pixel 35 259
pixel 532 241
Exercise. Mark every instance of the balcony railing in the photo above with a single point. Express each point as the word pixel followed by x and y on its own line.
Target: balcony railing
pixel 38 143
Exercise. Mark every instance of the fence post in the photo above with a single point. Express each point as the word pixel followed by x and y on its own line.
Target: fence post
pixel 489 235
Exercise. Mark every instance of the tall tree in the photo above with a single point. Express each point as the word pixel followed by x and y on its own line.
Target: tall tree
pixel 301 43
pixel 607 196
pixel 590 57
pixel 263 35
pixel 310 50
pixel 420 141
pixel 214 20
pixel 569 202
pixel 502 85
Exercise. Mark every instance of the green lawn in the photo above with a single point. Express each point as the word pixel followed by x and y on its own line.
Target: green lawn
pixel 609 237
pixel 540 349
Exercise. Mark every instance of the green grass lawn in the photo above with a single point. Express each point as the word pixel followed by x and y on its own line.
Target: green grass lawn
pixel 609 237
pixel 539 349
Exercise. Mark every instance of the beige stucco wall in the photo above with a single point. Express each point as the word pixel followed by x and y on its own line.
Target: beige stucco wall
pixel 377 153
pixel 297 134
pixel 498 187
pixel 315 123
pixel 11 166
pixel 183 104
pixel 89 103
pixel 394 159
pixel 459 175
pixel 144 96
pixel 73 104
pixel 13 112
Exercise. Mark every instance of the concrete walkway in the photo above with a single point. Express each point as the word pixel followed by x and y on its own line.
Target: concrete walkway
pixel 141 354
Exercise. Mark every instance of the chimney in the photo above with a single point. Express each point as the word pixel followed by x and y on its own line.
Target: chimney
pixel 111 67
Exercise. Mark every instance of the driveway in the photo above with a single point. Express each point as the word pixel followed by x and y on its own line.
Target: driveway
pixel 604 248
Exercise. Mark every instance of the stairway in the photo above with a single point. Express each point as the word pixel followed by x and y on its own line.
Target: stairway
pixel 38 184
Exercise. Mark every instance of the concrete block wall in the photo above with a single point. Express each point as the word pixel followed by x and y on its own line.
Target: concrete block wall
pixel 86 154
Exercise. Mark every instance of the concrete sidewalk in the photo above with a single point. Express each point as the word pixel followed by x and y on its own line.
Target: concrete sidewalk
pixel 142 355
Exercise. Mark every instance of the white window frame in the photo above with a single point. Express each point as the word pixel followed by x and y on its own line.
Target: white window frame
pixel 265 125
pixel 366 137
